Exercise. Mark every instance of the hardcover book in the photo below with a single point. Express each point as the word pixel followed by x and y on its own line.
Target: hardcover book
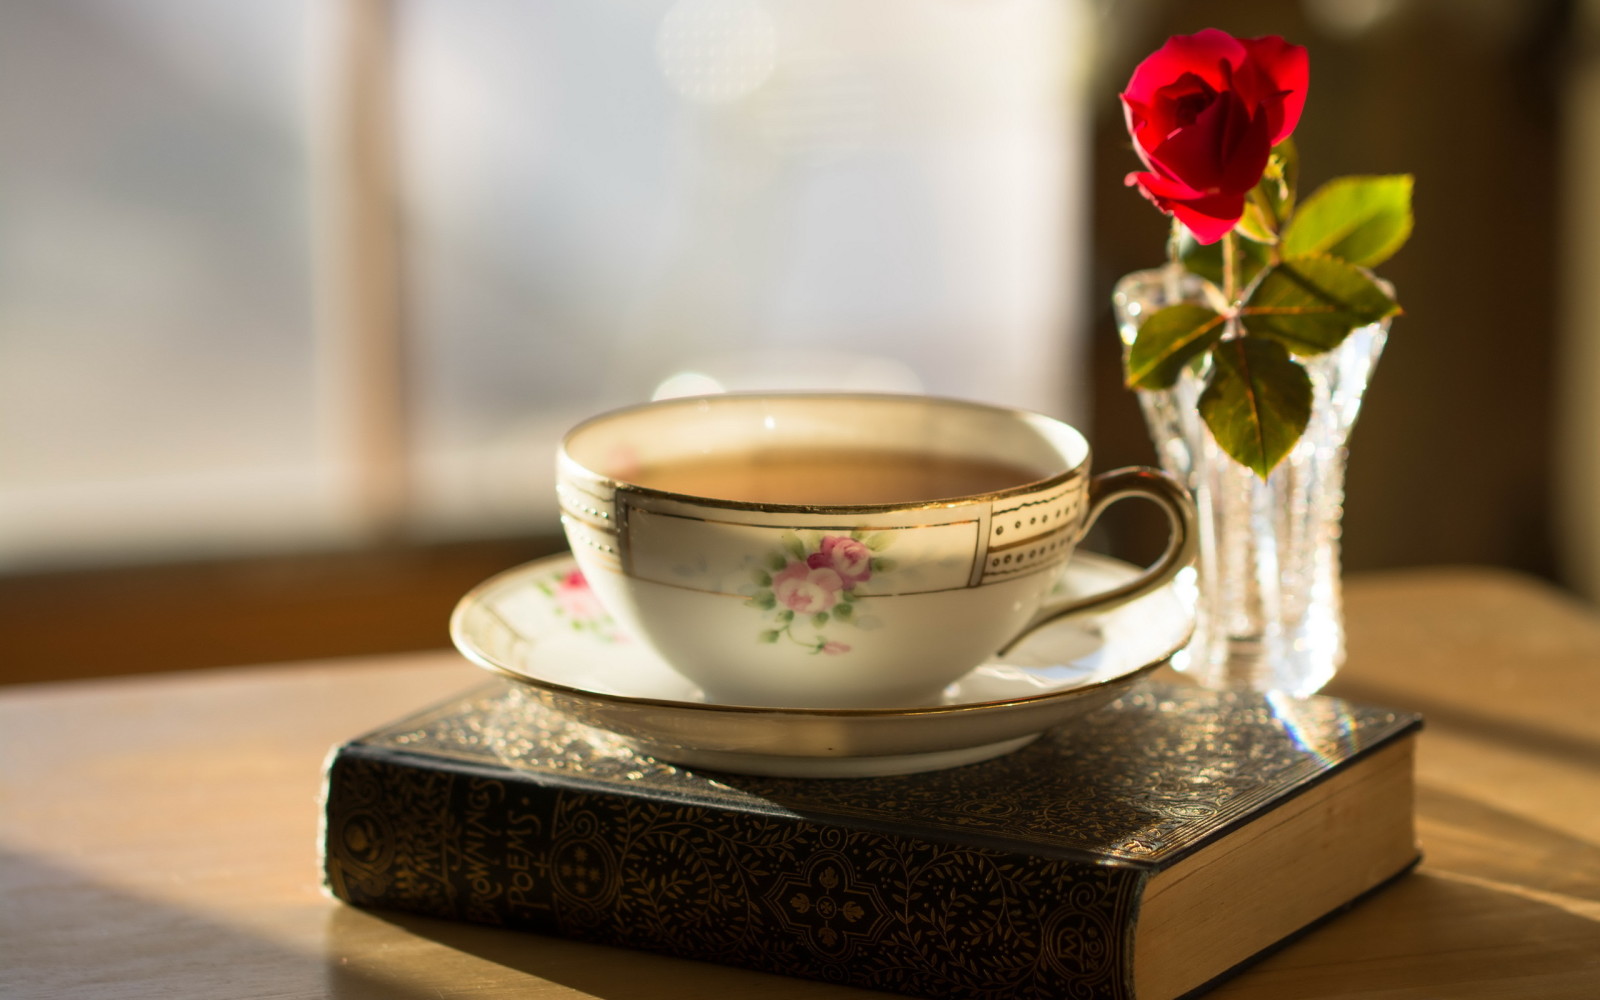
pixel 1142 852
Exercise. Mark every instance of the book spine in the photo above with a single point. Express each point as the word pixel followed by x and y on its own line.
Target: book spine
pixel 774 892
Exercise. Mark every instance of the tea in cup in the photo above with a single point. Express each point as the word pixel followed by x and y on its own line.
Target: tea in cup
pixel 833 550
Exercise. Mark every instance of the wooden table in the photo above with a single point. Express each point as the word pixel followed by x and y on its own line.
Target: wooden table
pixel 158 835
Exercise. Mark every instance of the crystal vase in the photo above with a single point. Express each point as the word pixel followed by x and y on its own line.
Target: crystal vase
pixel 1267 587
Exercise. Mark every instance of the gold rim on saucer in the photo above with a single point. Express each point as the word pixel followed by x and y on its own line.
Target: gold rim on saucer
pixel 562 651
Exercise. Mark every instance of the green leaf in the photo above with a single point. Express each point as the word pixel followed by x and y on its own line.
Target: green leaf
pixel 843 610
pixel 1257 402
pixel 762 578
pixel 1206 261
pixel 1310 304
pixel 771 635
pixel 1271 201
pixel 1167 340
pixel 776 561
pixel 1256 224
pixel 1363 220
pixel 819 619
pixel 792 544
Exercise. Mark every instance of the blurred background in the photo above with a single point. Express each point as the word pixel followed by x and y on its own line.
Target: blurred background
pixel 296 297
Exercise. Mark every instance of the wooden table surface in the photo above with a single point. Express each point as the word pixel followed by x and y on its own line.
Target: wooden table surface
pixel 158 835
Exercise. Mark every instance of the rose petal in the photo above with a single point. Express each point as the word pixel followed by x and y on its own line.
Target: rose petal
pixel 1224 151
pixel 1178 105
pixel 1209 216
pixel 1202 54
pixel 1207 56
pixel 1289 68
pixel 1161 189
pixel 1138 118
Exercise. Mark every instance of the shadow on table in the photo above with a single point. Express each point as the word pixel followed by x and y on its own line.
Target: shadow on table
pixel 65 932
pixel 1433 936
pixel 441 955
pixel 1479 842
pixel 1579 749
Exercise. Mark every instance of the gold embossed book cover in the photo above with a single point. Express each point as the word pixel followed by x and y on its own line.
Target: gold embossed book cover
pixel 1141 853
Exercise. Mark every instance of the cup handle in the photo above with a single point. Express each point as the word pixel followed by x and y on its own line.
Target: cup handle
pixel 1182 541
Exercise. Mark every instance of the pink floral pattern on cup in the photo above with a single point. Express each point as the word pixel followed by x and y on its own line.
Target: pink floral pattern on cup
pixel 806 589
pixel 850 558
pixel 810 584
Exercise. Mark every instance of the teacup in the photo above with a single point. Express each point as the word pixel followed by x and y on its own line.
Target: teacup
pixel 840 550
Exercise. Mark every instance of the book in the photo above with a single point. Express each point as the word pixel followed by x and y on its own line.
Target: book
pixel 1141 852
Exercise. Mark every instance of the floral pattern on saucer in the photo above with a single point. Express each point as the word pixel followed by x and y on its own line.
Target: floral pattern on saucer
pixel 574 602
pixel 808 585
pixel 513 626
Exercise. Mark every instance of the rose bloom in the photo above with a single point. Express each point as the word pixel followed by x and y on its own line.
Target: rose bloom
pixel 851 559
pixel 1204 112
pixel 806 589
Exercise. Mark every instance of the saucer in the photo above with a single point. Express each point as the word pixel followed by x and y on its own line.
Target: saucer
pixel 541 626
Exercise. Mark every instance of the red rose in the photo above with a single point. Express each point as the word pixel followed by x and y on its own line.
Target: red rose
pixel 1204 112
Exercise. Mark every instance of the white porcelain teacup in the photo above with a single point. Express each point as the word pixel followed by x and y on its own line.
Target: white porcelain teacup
pixel 839 550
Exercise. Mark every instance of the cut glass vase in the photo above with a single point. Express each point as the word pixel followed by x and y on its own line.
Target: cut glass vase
pixel 1266 584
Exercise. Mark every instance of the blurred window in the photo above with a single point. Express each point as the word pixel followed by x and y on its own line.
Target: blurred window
pixel 594 201
pixel 158 355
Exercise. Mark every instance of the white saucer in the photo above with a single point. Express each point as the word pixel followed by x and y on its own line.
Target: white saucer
pixel 539 625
